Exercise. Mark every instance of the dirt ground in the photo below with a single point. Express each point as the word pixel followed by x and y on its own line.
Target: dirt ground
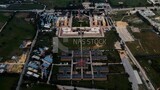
pixel 22 15
pixel 121 24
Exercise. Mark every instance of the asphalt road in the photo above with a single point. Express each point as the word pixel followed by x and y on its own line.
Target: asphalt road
pixel 26 63
pixel 142 71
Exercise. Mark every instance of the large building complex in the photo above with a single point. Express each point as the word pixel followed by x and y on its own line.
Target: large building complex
pixel 90 26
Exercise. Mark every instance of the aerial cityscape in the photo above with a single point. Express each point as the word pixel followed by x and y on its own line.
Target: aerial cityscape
pixel 79 44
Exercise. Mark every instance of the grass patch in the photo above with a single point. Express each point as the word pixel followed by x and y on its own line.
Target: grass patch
pixel 152 69
pixel 40 87
pixel 44 39
pixel 8 82
pixel 12 36
pixel 116 69
pixel 3 19
pixel 148 43
pixel 82 83
pixel 113 56
pixel 84 22
pixel 114 82
pixel 25 6
pixel 57 3
pixel 117 16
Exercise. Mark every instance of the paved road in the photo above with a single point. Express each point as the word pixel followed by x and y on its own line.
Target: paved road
pixel 3 26
pixel 50 74
pixel 129 70
pixel 60 87
pixel 142 71
pixel 52 10
pixel 139 8
pixel 124 34
pixel 27 61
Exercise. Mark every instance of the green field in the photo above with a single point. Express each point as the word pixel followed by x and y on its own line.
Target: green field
pixel 25 6
pixel 12 36
pixel 55 3
pixel 40 87
pixel 116 69
pixel 3 19
pixel 152 69
pixel 8 82
pixel 83 23
pixel 147 44
pixel 117 16
pixel 97 1
pixel 114 82
pixel 129 3
pixel 44 40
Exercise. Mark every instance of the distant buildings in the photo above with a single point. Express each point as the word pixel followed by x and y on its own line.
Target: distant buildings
pixel 71 24
pixel 97 25
pixel 96 6
pixel 145 15
pixel 154 1
pixel 4 5
pixel 46 22
pixel 3 68
pixel 39 63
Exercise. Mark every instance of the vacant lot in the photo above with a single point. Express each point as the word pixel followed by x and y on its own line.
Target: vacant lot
pixel 147 44
pixel 128 3
pixel 12 36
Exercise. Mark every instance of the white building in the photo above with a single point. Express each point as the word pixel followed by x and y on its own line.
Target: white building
pixel 154 1
pixel 4 5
